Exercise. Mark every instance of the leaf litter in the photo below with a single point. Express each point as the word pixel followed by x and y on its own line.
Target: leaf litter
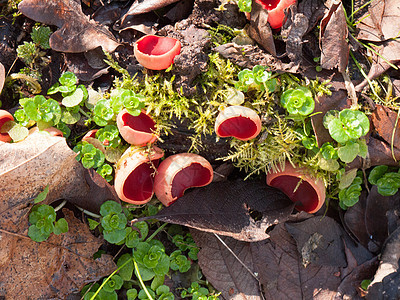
pixel 314 256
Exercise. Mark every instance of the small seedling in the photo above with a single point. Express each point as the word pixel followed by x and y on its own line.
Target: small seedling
pixel 388 183
pixel 43 220
pixel 109 136
pixel 298 102
pixel 350 195
pixel 113 222
pixel 91 156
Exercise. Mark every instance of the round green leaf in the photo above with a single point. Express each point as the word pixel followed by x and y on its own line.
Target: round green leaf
pixel 74 99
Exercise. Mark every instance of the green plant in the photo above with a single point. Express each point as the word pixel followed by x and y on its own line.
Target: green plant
pixel 113 222
pixel 388 183
pixel 40 36
pixel 43 220
pixel 109 136
pixel 91 156
pixel 244 5
pixel 45 112
pixel 350 195
pixel 179 262
pixel 298 101
pixel 257 78
pixel 199 293
pixel 347 127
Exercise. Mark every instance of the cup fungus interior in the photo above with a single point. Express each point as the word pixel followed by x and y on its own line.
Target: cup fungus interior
pixel 138 185
pixel 155 45
pixel 191 176
pixel 269 4
pixel 239 127
pixel 303 194
pixel 141 122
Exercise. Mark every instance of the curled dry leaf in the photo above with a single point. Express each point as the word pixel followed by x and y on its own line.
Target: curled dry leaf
pixel 333 35
pixel 259 29
pixel 143 6
pixel 77 33
pixel 53 269
pixel 240 209
pixel 387 279
pixel 381 22
pixel 384 120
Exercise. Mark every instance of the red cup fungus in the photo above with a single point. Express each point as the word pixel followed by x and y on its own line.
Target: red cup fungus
pixel 5 116
pixel 238 121
pixel 179 172
pixel 156 52
pixel 134 174
pixel 309 194
pixel 139 130
pixel 275 8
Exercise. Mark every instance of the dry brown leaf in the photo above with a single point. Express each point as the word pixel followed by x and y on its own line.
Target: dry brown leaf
pixel 53 269
pixel 381 22
pixel 333 35
pixel 389 53
pixel 25 169
pixel 141 7
pixel 260 30
pixel 239 209
pixel 77 33
pixel 384 120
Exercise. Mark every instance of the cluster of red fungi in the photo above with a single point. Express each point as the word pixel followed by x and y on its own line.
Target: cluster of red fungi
pixel 139 174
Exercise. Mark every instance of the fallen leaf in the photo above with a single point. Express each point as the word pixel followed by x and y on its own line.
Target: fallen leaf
pixel 259 29
pixel 27 167
pixel 333 35
pixel 78 64
pixel 248 56
pixel 354 220
pixel 384 120
pixel 388 55
pixel 144 23
pixel 297 28
pixel 319 241
pixel 107 14
pixel 239 209
pixel 276 265
pixel 53 269
pixel 387 279
pixel 381 22
pixel 143 6
pixel 223 270
pixel 77 33
pixel 349 287
pixel 376 215
pixel 314 11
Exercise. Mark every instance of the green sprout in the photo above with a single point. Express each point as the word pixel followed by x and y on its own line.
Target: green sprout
pixel 102 112
pixel 43 222
pixel 40 36
pixel 388 183
pixel 91 156
pixel 244 5
pixel 346 125
pixel 40 110
pixel 179 262
pixel 113 222
pixel 132 102
pixel 109 136
pixel 105 171
pixel 350 195
pixel 28 52
pixel 298 101
pixel 151 259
